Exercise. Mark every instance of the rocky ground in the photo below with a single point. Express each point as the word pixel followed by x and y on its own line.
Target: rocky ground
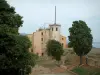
pixel 40 70
pixel 48 66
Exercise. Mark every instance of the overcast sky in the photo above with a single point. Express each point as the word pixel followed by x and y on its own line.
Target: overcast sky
pixel 36 13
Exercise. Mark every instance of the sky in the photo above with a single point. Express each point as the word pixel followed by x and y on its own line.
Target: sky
pixel 37 13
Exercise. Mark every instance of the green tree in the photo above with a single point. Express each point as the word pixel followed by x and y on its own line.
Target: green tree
pixel 69 45
pixel 14 55
pixel 80 38
pixel 54 49
pixel 10 21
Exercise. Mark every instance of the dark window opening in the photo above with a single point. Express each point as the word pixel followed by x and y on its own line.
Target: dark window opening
pixel 31 50
pixel 56 29
pixel 42 54
pixel 42 33
pixel 62 38
pixel 52 29
pixel 41 39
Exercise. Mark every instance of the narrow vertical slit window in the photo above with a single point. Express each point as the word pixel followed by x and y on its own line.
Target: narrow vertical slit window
pixel 56 29
pixel 52 29
pixel 42 33
pixel 41 39
pixel 62 38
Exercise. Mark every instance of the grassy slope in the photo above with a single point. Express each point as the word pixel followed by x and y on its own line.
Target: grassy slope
pixel 86 71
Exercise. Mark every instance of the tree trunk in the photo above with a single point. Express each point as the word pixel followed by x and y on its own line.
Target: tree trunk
pixel 80 60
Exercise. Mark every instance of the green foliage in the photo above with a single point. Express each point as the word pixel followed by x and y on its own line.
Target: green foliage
pixel 85 71
pixel 3 4
pixel 80 71
pixel 97 73
pixel 14 54
pixel 80 38
pixel 69 44
pixel 9 20
pixel 55 49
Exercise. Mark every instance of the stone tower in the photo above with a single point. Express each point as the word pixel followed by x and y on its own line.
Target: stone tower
pixel 55 30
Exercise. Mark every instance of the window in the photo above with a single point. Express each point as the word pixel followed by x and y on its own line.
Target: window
pixel 56 29
pixel 41 39
pixel 42 33
pixel 62 38
pixel 42 54
pixel 31 50
pixel 52 29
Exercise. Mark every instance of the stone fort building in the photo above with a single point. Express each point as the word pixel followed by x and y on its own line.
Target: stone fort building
pixel 42 35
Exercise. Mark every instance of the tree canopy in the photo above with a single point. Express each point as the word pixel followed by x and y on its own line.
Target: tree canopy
pixel 55 49
pixel 14 53
pixel 69 45
pixel 14 48
pixel 10 21
pixel 80 38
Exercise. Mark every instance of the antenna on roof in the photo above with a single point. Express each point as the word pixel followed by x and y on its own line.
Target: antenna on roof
pixel 55 14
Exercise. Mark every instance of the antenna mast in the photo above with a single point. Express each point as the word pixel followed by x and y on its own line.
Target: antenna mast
pixel 55 14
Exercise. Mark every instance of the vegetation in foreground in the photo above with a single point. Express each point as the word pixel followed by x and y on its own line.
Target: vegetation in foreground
pixel 87 70
pixel 15 57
